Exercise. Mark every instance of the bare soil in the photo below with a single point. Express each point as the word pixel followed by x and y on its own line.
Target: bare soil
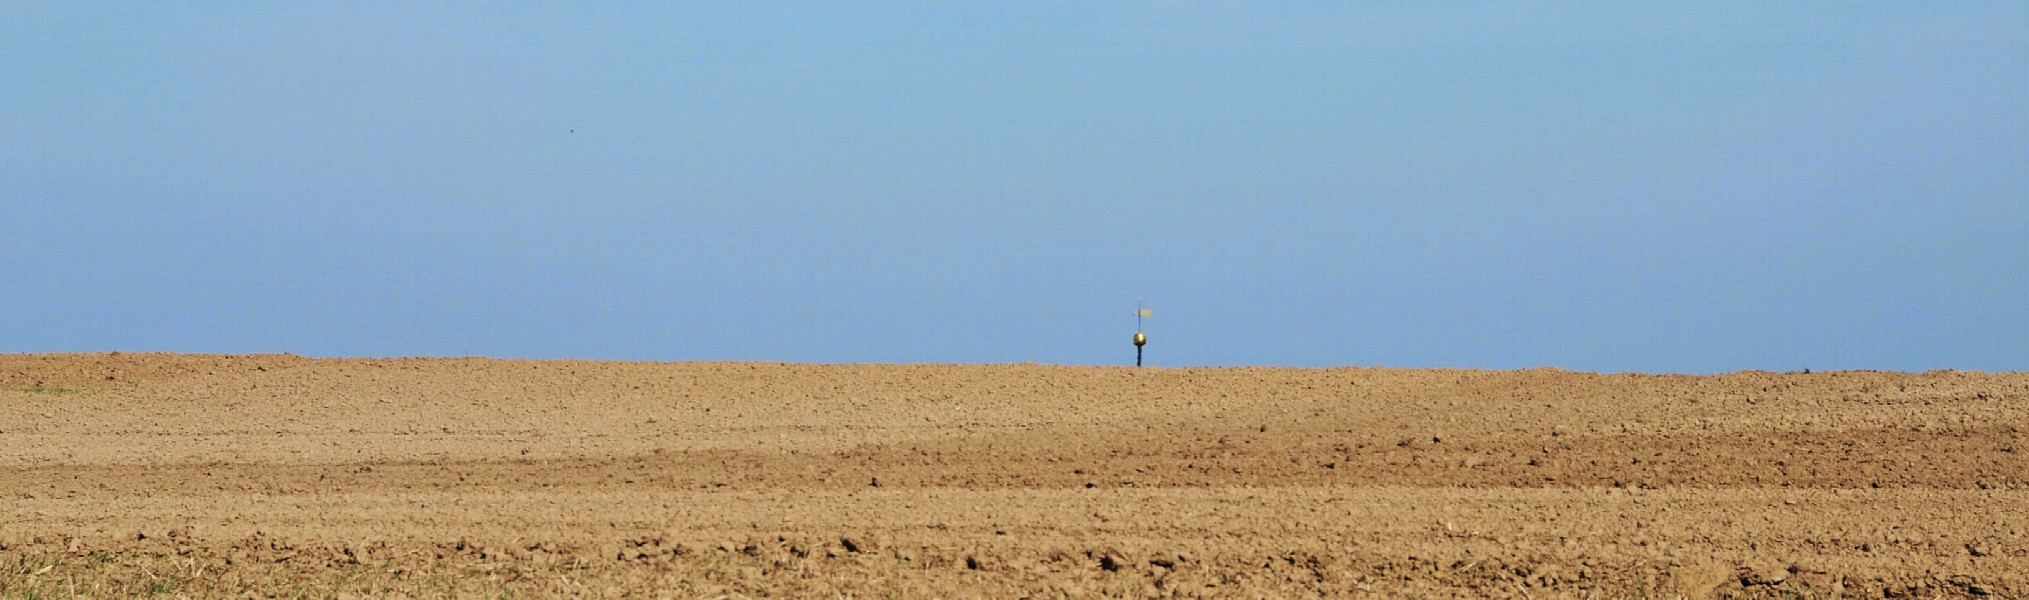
pixel 231 476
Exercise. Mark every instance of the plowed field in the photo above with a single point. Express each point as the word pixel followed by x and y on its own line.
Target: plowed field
pixel 229 476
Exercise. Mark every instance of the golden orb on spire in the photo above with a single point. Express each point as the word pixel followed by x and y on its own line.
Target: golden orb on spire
pixel 1140 339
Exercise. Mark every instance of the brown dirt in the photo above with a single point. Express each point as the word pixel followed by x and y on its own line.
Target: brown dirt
pixel 280 475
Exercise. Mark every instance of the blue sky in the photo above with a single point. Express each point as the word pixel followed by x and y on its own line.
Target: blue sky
pixel 1595 186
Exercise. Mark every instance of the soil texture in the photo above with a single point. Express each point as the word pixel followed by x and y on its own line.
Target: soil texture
pixel 283 476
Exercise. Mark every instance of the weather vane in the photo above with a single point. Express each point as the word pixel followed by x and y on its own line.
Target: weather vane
pixel 1140 339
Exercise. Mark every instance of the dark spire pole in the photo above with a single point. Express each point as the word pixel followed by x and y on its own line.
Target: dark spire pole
pixel 1140 339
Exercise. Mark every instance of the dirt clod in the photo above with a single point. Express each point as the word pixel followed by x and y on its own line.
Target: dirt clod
pixel 1111 563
